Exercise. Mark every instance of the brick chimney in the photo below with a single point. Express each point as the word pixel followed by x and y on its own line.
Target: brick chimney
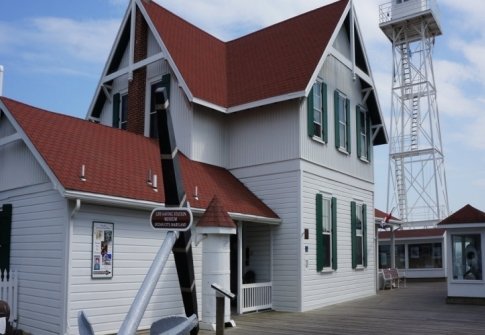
pixel 136 87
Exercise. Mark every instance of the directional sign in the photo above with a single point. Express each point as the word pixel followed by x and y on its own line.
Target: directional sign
pixel 174 219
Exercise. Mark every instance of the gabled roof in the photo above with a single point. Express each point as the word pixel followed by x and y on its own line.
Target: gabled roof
pixel 467 214
pixel 117 162
pixel 274 61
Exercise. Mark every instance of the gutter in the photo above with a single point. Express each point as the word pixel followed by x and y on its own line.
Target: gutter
pixel 102 199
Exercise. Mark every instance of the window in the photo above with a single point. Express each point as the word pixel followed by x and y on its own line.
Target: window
pixel 317 111
pixel 385 256
pixel 165 82
pixel 326 232
pixel 425 256
pixel 120 110
pixel 466 257
pixel 342 122
pixel 358 214
pixel 363 133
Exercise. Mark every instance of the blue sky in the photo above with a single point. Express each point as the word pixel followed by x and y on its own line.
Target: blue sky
pixel 54 51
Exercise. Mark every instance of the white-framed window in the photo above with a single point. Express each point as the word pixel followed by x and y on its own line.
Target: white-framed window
pixel 342 122
pixel 363 133
pixel 358 212
pixel 467 257
pixel 317 111
pixel 326 232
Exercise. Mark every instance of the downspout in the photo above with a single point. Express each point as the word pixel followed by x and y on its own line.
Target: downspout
pixel 68 262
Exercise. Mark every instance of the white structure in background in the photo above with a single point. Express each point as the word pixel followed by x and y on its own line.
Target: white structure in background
pixel 416 180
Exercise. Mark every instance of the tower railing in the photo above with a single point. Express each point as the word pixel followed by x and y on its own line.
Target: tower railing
pixel 391 11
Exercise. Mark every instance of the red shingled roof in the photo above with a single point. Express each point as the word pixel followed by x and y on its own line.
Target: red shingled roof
pixel 216 216
pixel 274 61
pixel 467 214
pixel 413 233
pixel 117 162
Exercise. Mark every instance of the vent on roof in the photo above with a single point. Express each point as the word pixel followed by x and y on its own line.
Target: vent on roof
pixel 82 176
pixel 154 183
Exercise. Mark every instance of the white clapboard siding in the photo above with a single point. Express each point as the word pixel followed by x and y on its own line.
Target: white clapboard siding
pixel 210 136
pixel 38 238
pixel 263 135
pixel 326 288
pixel 278 186
pixel 19 168
pixel 337 77
pixel 135 244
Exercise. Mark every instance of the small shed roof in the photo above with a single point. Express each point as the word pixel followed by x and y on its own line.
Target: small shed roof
pixel 466 215
pixel 216 216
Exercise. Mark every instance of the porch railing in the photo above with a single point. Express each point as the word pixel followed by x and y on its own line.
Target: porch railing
pixel 9 292
pixel 256 297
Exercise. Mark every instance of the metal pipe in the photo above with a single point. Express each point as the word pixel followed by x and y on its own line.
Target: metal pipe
pixel 139 305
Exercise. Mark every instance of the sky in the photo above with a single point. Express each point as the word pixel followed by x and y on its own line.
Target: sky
pixel 54 51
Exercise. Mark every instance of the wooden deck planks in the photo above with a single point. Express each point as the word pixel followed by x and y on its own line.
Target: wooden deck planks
pixel 418 309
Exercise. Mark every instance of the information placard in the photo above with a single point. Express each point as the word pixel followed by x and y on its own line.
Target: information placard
pixel 102 254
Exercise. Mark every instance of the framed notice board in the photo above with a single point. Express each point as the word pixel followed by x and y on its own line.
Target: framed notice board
pixel 102 250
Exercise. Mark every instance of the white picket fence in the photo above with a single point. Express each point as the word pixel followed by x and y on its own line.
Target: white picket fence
pixel 9 292
pixel 256 297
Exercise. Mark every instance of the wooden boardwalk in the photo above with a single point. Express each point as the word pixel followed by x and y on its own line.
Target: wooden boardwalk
pixel 418 309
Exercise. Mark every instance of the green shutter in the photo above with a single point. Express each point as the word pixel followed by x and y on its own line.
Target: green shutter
pixel 364 233
pixel 357 127
pixel 116 110
pixel 353 230
pixel 336 98
pixel 310 113
pixel 5 231
pixel 334 233
pixel 324 113
pixel 319 231
pixel 349 137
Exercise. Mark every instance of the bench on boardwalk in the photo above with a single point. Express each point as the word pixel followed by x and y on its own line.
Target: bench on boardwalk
pixel 392 278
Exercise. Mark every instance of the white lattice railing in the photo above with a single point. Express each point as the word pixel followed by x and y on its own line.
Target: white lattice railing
pixel 256 297
pixel 9 292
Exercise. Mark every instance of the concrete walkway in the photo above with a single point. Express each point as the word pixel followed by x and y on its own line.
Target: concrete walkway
pixel 418 309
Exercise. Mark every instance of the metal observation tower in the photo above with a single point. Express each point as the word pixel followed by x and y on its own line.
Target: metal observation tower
pixel 417 188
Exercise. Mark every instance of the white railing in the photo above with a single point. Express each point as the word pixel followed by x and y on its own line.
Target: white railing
pixel 392 11
pixel 256 297
pixel 9 292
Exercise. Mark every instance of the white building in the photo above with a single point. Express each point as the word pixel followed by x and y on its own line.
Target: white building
pixel 465 235
pixel 279 125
